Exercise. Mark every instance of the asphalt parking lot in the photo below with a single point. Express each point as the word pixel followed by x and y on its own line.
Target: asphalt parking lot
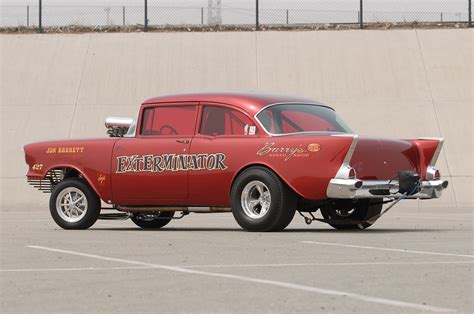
pixel 411 261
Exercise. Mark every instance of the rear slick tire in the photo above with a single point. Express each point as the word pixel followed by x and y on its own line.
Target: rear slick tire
pixel 261 202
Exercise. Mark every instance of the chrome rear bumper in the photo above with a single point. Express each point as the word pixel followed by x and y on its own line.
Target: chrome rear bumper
pixel 354 188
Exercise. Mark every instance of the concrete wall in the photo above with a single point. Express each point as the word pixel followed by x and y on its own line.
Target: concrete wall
pixel 398 83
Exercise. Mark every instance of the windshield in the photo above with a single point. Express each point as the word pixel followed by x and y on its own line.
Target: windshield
pixel 131 129
pixel 296 118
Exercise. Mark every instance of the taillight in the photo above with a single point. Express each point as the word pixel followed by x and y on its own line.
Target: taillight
pixel 432 173
pixel 352 173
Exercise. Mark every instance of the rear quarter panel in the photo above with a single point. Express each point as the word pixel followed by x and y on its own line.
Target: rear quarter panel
pixel 304 163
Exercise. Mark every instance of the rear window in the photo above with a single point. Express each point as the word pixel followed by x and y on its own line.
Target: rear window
pixel 296 118
pixel 169 121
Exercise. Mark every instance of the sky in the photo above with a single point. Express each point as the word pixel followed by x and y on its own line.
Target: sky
pixel 163 12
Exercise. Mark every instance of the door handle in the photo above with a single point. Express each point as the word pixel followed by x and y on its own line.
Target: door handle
pixel 183 141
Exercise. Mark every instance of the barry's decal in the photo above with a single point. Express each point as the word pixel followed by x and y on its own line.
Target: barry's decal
pixel 170 162
pixel 287 152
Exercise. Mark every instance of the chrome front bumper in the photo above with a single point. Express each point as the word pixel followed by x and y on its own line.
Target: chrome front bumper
pixel 354 188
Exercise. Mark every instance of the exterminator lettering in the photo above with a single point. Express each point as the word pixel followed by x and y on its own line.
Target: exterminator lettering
pixel 170 162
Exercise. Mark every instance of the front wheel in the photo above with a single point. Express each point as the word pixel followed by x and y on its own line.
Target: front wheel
pixel 74 205
pixel 354 218
pixel 261 201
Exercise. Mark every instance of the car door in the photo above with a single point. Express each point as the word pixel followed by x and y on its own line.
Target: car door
pixel 226 134
pixel 149 169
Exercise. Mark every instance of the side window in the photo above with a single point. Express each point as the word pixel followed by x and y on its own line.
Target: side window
pixel 147 120
pixel 225 121
pixel 169 120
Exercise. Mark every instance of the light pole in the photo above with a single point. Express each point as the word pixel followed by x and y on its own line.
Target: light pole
pixel 146 17
pixel 107 11
pixel 40 18
pixel 257 13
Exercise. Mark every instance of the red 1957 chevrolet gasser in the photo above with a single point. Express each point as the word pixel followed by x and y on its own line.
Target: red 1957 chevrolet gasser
pixel 263 157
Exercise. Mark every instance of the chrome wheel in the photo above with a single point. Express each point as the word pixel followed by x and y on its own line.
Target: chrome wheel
pixel 71 204
pixel 255 199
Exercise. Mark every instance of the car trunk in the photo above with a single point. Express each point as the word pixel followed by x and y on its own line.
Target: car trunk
pixel 382 159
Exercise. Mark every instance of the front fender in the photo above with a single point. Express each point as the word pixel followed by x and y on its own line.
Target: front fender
pixel 89 158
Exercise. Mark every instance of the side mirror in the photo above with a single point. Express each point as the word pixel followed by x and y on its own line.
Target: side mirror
pixel 117 127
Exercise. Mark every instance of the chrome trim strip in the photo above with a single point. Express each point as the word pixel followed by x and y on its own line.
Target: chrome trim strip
pixel 351 150
pixel 344 170
pixel 427 138
pixel 342 186
pixel 435 157
pixel 344 134
pixel 288 103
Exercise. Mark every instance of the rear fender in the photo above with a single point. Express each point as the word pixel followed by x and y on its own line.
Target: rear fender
pixel 309 171
pixel 262 165
pixel 428 150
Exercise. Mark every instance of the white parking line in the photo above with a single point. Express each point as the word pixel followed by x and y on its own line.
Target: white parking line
pixel 112 225
pixel 235 266
pixel 70 269
pixel 282 284
pixel 387 249
pixel 329 264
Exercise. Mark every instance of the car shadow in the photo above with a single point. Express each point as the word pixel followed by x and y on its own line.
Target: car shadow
pixel 291 230
pixel 375 231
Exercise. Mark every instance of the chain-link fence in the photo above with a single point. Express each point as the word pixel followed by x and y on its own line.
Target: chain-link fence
pixel 251 13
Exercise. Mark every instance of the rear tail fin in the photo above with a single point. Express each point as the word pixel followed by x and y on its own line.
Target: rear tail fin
pixel 428 152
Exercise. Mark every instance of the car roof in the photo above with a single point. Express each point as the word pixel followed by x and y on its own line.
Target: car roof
pixel 252 102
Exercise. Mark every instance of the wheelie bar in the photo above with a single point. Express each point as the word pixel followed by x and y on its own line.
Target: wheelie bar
pixel 309 220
